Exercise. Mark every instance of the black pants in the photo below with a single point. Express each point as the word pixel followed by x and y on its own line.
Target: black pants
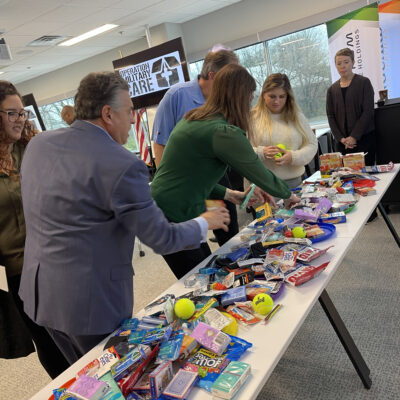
pixel 366 144
pixel 49 354
pixel 75 346
pixel 233 227
pixel 184 261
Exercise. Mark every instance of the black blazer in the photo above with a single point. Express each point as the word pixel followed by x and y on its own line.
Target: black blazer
pixel 359 108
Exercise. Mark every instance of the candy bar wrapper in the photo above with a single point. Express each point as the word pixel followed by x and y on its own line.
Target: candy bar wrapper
pixel 366 191
pixel 211 338
pixel 304 274
pixel 189 345
pixel 308 254
pixel 242 315
pixel 113 393
pixel 230 381
pixel 181 385
pixel 374 169
pixel 101 365
pixel 160 378
pixel 333 218
pixel 87 388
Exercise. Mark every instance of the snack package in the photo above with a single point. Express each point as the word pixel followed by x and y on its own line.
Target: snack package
pixel 170 349
pixel 181 385
pixel 210 338
pixel 188 346
pixel 304 274
pixel 366 191
pixel 309 253
pixel 243 314
pixel 333 218
pixel 128 363
pixel 374 169
pixel 233 295
pixel 101 365
pixel 329 162
pixel 354 161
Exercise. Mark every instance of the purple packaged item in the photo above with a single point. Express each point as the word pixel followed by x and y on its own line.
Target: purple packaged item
pixel 211 338
pixel 323 207
pixel 87 388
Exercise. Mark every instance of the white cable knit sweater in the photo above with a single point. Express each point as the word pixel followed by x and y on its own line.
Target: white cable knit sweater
pixel 288 135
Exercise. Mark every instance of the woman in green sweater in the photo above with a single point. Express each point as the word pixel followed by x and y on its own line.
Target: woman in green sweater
pixel 201 147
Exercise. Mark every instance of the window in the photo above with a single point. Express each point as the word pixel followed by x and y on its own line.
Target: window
pixel 51 113
pixel 303 56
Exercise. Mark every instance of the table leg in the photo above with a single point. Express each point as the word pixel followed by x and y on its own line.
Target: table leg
pixel 346 339
pixel 389 223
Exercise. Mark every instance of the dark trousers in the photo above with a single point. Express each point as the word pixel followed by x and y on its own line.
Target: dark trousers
pixel 49 354
pixel 184 261
pixel 233 227
pixel 366 144
pixel 75 346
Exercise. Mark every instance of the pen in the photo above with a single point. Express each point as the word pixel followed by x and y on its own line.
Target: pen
pixel 272 313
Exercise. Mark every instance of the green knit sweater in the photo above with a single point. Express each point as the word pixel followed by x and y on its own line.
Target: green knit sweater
pixel 195 159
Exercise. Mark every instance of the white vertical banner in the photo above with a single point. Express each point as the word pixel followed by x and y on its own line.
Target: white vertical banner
pixel 359 31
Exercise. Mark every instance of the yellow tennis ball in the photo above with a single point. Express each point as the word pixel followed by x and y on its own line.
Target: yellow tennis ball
pixel 282 146
pixel 232 328
pixel 298 232
pixel 184 308
pixel 263 303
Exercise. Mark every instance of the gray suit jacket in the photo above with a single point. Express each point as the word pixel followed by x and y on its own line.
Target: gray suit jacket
pixel 85 199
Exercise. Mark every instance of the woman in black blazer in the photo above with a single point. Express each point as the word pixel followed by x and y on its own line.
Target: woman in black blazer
pixel 350 109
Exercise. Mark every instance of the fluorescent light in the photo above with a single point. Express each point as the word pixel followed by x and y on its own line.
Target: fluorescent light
pixel 1 72
pixel 293 41
pixel 88 35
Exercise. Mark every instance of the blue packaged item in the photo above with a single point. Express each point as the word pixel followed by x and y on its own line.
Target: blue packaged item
pixel 136 337
pixel 233 295
pixel 154 321
pixel 157 335
pixel 170 349
pixel 129 324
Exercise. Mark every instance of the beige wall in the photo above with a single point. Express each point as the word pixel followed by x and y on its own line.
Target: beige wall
pixel 237 25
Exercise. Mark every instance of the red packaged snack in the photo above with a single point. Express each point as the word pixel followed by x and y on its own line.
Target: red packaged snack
pixel 304 274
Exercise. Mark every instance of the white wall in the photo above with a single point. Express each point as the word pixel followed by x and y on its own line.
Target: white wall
pixel 237 25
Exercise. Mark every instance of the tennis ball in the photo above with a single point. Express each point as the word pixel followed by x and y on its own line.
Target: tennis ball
pixel 232 328
pixel 184 308
pixel 262 303
pixel 282 146
pixel 298 232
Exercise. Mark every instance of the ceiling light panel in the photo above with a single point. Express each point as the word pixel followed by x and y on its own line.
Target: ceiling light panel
pixel 89 34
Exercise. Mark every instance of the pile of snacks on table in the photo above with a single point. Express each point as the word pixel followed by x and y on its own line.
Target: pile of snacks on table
pixel 192 339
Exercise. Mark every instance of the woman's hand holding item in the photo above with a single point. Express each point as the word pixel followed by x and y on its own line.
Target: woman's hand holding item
pixel 285 159
pixel 271 151
pixel 292 200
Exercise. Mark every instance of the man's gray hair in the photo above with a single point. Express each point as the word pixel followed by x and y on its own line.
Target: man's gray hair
pixel 97 90
pixel 215 60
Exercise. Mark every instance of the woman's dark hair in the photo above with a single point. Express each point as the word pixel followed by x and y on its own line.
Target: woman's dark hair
pixel 8 89
pixel 231 95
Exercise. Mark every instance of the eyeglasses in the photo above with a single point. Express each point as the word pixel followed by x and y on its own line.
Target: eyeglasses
pixel 13 115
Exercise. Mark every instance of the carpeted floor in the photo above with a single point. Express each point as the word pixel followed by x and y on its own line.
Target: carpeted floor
pixel 365 290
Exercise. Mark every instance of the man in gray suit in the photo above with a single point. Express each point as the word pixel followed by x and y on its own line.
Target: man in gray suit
pixel 85 199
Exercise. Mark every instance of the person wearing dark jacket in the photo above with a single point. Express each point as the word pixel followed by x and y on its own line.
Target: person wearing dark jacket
pixel 350 109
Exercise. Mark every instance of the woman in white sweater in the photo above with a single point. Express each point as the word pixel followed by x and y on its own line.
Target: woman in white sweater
pixel 276 119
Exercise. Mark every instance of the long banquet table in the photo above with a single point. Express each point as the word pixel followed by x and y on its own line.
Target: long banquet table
pixel 271 341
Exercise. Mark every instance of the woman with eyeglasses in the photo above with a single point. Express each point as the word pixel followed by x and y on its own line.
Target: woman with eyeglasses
pixel 17 330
